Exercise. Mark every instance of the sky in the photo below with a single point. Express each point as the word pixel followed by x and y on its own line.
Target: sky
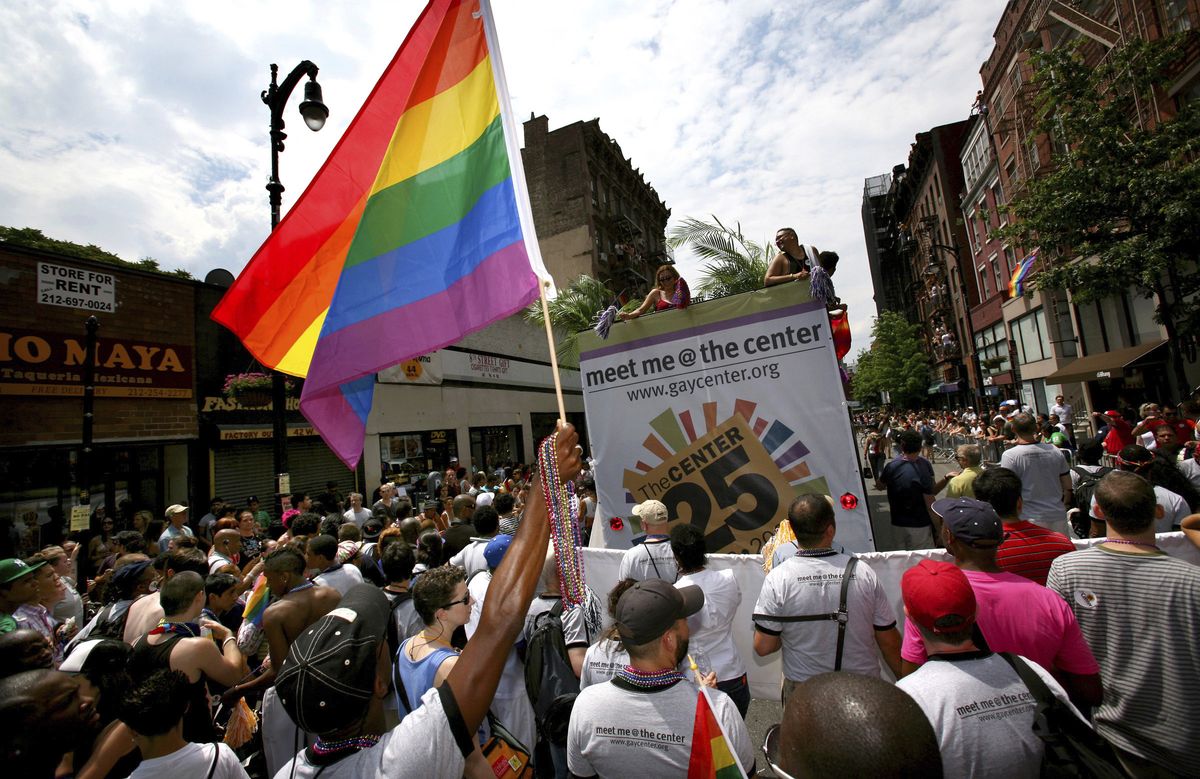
pixel 137 125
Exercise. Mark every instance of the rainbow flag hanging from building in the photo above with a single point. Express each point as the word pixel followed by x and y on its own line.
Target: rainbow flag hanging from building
pixel 1016 285
pixel 415 232
pixel 712 753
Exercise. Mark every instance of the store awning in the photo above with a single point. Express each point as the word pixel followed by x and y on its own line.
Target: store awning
pixel 943 387
pixel 1105 365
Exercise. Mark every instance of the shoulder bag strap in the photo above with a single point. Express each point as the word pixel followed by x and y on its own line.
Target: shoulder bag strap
pixel 843 616
pixel 398 683
pixel 653 562
pixel 212 768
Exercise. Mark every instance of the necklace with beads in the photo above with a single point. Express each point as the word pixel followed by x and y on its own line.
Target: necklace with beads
pixel 565 529
pixel 1132 543
pixel 346 745
pixel 649 680
pixel 185 629
pixel 825 550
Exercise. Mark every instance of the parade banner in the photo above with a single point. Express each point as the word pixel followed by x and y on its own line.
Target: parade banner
pixel 724 411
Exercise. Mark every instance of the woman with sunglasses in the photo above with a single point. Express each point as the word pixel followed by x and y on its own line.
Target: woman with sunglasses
pixel 671 292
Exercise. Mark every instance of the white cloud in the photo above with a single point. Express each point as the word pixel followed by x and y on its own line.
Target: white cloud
pixel 137 125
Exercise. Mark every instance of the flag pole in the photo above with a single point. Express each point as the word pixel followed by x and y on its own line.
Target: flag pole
pixel 521 190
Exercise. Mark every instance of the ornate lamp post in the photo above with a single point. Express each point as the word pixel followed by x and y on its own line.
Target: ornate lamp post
pixel 315 113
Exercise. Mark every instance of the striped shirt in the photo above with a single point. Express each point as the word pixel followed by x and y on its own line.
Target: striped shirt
pixel 1028 550
pixel 1141 615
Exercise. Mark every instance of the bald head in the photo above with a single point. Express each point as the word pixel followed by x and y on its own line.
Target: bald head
pixel 464 507
pixel 24 650
pixel 846 724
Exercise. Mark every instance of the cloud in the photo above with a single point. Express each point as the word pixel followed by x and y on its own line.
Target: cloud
pixel 137 125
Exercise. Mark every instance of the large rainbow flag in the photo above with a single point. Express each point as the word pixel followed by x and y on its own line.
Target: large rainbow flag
pixel 414 233
pixel 712 754
pixel 1016 285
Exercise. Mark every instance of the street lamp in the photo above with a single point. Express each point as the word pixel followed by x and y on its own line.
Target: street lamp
pixel 315 113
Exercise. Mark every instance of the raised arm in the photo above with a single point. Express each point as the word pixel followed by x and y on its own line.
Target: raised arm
pixel 474 679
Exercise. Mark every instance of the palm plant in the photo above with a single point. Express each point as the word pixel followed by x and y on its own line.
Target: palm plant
pixel 735 263
pixel 572 311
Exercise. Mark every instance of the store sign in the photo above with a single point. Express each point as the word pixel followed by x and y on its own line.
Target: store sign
pixel 61 285
pixel 35 363
pixel 260 433
pixel 437 437
pixel 426 369
pixel 219 403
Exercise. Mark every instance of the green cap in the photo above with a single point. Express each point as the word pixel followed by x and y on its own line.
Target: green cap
pixel 14 568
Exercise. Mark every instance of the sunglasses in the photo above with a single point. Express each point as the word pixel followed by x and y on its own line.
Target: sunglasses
pixel 466 599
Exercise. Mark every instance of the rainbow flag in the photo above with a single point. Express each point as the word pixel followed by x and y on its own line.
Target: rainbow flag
pixel 1016 285
pixel 712 754
pixel 415 232
pixel 256 603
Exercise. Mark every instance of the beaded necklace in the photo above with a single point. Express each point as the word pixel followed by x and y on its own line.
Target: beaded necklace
pixel 564 526
pixel 298 588
pixel 825 550
pixel 185 629
pixel 1132 543
pixel 649 680
pixel 327 748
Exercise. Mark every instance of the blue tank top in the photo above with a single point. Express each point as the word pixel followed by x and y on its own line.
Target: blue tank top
pixel 418 675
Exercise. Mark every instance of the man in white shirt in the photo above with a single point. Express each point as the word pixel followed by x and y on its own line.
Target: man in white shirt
pixel 652 558
pixel 1044 473
pixel 176 526
pixel 356 513
pixel 321 555
pixel 1064 410
pixel 800 600
pixel 471 558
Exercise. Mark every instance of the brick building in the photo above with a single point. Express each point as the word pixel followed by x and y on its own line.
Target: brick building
pixel 594 213
pixel 145 426
pixel 1107 353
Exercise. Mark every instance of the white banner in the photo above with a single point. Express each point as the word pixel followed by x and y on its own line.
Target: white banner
pixel 426 369
pixel 724 411
pixel 765 673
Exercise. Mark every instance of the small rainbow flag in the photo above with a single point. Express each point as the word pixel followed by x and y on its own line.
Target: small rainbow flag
pixel 415 232
pixel 256 604
pixel 712 755
pixel 1016 285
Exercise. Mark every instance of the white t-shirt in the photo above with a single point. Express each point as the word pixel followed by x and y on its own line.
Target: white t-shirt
pixel 1175 509
pixel 575 630
pixel 192 760
pixel 217 561
pixel 982 714
pixel 616 731
pixel 602 661
pixel 651 559
pixel 357 517
pixel 470 557
pixel 802 586
pixel 1040 467
pixel 343 578
pixel 1191 469
pixel 428 742
pixel 711 628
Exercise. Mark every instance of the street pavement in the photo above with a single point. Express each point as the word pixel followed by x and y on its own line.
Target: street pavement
pixel 764 714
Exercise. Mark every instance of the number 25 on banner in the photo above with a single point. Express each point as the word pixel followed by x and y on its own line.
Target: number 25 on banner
pixel 724 483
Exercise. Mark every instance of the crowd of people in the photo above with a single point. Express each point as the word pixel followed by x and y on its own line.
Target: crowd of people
pixel 387 642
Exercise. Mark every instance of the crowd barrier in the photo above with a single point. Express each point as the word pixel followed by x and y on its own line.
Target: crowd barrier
pixel 601 566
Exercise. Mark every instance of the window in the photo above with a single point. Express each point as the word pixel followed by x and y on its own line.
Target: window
pixel 1065 340
pixel 995 261
pixel 982 275
pixel 1175 15
pixel 1031 338
pixel 991 349
pixel 1010 260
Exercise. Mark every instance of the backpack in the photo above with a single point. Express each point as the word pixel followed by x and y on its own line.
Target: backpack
pixel 549 679
pixel 1072 747
pixel 1084 490
pixel 111 623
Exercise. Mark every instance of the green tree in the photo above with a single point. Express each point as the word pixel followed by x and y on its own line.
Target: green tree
pixel 1119 209
pixel 894 364
pixel 735 263
pixel 32 238
pixel 572 311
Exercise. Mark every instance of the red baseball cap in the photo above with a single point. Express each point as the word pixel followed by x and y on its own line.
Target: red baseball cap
pixel 938 597
pixel 1112 413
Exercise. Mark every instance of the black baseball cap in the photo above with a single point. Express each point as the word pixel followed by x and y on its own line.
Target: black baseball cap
pixel 372 528
pixel 649 608
pixel 973 522
pixel 328 678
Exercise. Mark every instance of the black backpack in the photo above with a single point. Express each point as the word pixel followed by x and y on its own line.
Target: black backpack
pixel 110 626
pixel 1084 490
pixel 1072 748
pixel 549 678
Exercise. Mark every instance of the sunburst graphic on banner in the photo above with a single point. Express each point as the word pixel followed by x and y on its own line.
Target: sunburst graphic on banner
pixel 674 431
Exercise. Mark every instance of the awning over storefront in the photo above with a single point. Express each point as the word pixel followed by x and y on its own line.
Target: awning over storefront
pixel 943 387
pixel 1105 365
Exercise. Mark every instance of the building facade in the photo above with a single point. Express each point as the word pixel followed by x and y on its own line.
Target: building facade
pixel 595 213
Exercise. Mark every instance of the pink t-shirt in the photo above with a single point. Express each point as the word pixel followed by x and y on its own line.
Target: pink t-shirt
pixel 1017 615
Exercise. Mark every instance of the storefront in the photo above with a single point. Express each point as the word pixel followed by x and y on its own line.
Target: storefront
pixel 144 420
